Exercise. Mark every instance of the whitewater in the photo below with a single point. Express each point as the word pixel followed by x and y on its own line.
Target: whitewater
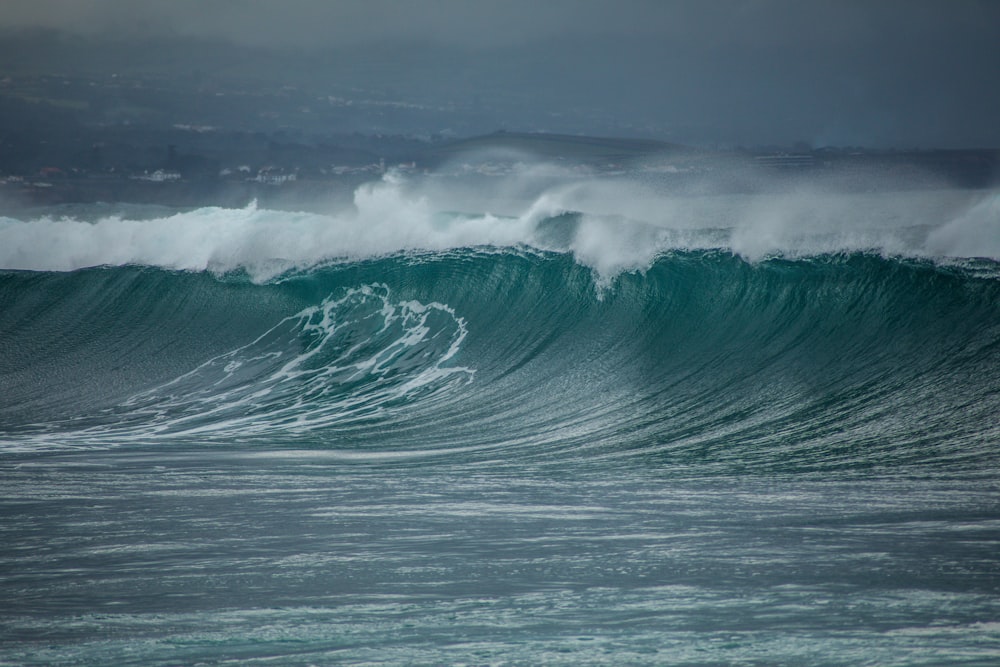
pixel 540 418
pixel 613 226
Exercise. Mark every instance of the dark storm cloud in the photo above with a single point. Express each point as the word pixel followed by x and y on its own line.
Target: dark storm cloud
pixel 914 72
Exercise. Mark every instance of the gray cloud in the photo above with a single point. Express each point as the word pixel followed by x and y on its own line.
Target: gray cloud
pixel 763 24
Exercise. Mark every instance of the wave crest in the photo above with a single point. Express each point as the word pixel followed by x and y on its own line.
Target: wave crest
pixel 609 226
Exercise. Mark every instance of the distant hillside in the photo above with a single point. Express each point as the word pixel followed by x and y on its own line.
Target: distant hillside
pixel 577 149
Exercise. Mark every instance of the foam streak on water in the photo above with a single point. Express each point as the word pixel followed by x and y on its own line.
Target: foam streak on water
pixel 360 354
pixel 264 557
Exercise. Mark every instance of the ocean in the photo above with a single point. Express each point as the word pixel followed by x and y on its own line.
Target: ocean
pixel 569 421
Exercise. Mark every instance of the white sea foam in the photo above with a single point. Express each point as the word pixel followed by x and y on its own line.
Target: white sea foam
pixel 355 357
pixel 619 226
pixel 271 385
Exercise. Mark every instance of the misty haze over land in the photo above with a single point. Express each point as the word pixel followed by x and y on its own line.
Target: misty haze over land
pixel 916 74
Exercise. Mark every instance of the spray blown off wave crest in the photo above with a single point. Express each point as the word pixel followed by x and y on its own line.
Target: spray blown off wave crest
pixel 609 226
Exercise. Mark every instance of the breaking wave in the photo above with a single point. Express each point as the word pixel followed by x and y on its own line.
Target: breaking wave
pixel 819 332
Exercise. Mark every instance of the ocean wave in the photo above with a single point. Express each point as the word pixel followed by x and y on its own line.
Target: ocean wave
pixel 704 362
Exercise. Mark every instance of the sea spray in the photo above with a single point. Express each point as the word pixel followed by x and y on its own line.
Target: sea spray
pixel 974 233
pixel 619 227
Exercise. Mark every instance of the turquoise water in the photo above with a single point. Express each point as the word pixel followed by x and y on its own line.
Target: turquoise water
pixel 547 448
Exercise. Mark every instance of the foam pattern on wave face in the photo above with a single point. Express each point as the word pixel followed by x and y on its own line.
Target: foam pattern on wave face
pixel 346 363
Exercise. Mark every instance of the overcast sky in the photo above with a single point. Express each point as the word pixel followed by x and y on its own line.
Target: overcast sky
pixel 488 23
pixel 875 72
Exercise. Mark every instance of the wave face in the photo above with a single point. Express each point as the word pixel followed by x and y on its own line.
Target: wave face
pixel 702 361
